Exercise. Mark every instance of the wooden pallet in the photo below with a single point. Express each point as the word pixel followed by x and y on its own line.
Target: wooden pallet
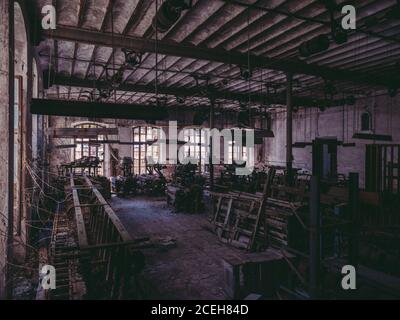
pixel 237 219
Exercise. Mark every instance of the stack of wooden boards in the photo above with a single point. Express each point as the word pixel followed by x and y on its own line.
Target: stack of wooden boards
pixel 238 220
pixel 253 221
pixel 283 222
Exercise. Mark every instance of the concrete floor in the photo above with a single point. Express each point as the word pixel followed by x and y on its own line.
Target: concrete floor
pixel 192 269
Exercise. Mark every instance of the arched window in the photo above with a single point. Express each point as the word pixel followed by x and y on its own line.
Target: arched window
pixel 143 148
pixel 86 147
pixel 366 122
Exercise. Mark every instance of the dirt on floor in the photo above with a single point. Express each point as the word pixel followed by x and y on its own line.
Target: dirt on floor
pixel 190 270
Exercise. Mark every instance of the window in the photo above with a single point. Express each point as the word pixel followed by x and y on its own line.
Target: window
pixel 18 107
pixel 90 147
pixel 235 150
pixel 143 150
pixel 196 148
pixel 18 92
pixel 366 123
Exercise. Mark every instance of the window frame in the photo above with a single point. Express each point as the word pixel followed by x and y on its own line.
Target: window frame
pixel 142 149
pixel 200 150
pixel 85 143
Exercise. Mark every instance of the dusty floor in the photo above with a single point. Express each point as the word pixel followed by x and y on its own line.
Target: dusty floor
pixel 192 269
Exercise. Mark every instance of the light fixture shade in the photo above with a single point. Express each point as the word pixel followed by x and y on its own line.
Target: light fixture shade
pixel 318 44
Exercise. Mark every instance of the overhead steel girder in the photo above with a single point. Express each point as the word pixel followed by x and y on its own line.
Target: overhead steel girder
pixel 185 50
pixel 56 79
pixel 98 110
pixel 81 132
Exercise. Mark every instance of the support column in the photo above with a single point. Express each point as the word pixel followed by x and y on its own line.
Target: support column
pixel 353 216
pixel 212 109
pixel 289 128
pixel 315 238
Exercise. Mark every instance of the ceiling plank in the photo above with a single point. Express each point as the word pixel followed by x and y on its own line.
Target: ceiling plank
pixel 218 55
pixel 279 98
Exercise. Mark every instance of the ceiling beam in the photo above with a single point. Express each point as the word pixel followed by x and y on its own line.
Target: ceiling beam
pixel 98 109
pixel 81 132
pixel 57 79
pixel 217 55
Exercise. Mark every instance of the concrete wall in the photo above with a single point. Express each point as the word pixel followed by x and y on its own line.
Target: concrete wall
pixel 340 122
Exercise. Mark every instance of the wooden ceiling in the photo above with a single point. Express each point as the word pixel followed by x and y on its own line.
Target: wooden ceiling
pixel 267 29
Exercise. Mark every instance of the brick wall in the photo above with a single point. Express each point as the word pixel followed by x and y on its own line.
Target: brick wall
pixel 4 104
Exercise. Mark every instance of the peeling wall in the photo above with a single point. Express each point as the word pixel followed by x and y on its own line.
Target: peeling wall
pixel 21 70
pixel 4 129
pixel 340 122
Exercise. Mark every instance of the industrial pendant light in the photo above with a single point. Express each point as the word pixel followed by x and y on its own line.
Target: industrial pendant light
pixel 169 13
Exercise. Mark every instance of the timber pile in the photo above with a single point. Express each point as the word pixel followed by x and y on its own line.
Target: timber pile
pixel 239 218
pixel 282 220
pixel 239 221
pixel 254 222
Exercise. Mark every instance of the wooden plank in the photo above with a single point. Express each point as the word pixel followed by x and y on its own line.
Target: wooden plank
pixel 218 209
pixel 110 213
pixel 228 212
pixel 80 223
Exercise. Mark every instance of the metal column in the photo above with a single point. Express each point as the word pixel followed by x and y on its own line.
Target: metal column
pixel 315 237
pixel 353 216
pixel 212 109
